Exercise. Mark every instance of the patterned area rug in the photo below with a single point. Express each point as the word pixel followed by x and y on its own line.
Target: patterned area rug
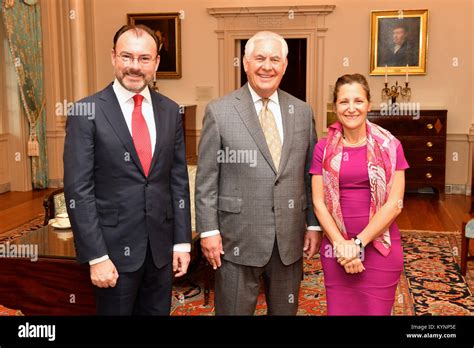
pixel 4 311
pixel 431 284
pixel 434 275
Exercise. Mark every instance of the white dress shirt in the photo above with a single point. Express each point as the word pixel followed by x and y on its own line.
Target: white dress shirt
pixel 127 104
pixel 274 106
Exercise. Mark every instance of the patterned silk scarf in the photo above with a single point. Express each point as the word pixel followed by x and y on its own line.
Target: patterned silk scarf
pixel 381 162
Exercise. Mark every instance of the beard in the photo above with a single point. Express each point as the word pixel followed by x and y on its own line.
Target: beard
pixel 135 86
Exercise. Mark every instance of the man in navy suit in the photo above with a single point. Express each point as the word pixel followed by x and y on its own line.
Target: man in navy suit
pixel 126 184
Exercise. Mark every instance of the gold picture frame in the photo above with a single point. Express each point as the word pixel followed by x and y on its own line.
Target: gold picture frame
pixel 168 27
pixel 398 42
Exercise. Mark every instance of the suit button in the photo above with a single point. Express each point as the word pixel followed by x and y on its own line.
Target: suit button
pixel 277 182
pixel 144 210
pixel 273 209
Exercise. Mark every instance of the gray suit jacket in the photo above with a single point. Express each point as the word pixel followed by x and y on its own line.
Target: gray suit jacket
pixel 251 203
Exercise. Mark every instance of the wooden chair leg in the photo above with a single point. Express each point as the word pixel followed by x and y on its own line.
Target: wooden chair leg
pixel 464 249
pixel 47 213
pixel 207 283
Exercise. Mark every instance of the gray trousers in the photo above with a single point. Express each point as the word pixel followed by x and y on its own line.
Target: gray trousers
pixel 237 287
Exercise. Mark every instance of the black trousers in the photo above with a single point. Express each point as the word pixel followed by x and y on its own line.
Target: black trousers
pixel 146 291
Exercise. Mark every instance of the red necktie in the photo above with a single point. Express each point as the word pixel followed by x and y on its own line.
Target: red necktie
pixel 140 134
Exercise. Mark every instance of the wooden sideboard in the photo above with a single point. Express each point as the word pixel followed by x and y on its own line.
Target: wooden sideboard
pixel 424 144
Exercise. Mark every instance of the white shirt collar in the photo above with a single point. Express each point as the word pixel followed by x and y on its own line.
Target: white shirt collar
pixel 256 97
pixel 124 95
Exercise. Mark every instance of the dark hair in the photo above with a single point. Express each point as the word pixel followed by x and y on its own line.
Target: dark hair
pixel 400 24
pixel 349 79
pixel 138 30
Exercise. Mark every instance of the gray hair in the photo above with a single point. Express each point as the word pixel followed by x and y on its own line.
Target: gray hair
pixel 265 35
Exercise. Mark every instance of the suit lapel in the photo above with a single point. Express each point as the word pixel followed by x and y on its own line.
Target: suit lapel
pixel 246 110
pixel 288 118
pixel 158 112
pixel 113 113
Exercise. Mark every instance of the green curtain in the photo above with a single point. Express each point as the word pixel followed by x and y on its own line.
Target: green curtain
pixel 22 19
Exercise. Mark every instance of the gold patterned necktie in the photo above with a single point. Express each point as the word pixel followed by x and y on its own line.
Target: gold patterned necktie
pixel 270 130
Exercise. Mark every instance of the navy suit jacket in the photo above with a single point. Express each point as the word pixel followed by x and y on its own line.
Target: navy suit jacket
pixel 113 207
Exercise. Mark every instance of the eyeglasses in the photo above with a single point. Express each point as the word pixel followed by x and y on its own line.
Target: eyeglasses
pixel 129 59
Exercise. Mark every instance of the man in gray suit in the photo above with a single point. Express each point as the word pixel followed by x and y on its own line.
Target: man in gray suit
pixel 253 193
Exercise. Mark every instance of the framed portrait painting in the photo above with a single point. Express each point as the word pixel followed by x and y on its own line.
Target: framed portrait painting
pixel 398 42
pixel 167 27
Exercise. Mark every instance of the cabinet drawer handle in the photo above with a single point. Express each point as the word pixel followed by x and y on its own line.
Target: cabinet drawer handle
pixel 428 175
pixel 429 144
pixel 429 126
pixel 429 159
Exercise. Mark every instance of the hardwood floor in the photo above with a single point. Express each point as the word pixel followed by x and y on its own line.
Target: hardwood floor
pixel 421 212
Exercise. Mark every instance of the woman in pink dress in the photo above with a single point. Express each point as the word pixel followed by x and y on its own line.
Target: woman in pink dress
pixel 358 186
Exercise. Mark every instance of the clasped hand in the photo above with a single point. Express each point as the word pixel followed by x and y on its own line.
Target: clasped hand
pixel 347 254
